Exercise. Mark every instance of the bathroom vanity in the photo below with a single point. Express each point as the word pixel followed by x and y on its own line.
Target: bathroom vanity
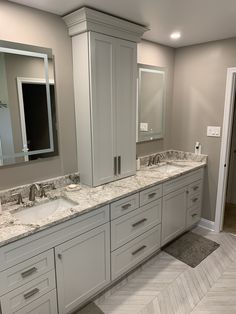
pixel 63 260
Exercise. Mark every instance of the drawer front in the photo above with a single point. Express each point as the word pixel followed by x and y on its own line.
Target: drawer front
pixel 195 187
pixel 126 257
pixel 150 195
pixel 18 251
pixel 18 298
pixel 22 273
pixel 128 227
pixel 194 200
pixel 193 216
pixel 47 304
pixel 124 206
pixel 182 181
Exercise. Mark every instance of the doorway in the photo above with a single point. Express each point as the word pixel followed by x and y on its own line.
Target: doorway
pixel 229 224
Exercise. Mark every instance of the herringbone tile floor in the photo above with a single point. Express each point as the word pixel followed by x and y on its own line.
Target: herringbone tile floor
pixel 165 285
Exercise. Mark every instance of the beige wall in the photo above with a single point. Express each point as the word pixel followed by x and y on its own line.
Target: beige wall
pixel 33 27
pixel 198 101
pixel 162 56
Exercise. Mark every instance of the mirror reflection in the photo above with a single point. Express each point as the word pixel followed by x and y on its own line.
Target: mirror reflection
pixel 27 106
pixel 151 102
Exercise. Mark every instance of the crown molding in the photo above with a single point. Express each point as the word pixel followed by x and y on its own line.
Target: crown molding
pixel 87 19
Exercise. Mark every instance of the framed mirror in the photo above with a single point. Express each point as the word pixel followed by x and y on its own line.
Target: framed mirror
pixel 151 102
pixel 27 104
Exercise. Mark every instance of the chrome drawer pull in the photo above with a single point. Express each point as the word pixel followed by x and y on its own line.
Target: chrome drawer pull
pixel 195 187
pixel 195 199
pixel 194 215
pixel 152 195
pixel 119 164
pixel 29 272
pixel 31 293
pixel 139 222
pixel 115 166
pixel 126 206
pixel 140 249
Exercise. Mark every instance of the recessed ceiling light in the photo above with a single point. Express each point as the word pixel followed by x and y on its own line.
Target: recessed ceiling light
pixel 175 35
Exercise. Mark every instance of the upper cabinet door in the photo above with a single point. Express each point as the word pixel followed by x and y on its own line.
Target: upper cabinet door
pixel 126 73
pixel 102 77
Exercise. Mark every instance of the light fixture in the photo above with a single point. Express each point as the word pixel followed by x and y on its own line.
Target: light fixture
pixel 175 35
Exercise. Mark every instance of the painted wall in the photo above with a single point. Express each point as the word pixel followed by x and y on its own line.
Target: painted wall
pixel 198 101
pixel 34 27
pixel 154 54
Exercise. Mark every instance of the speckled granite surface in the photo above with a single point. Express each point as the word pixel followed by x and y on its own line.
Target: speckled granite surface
pixel 88 198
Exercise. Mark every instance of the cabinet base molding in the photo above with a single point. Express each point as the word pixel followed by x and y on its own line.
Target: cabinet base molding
pixel 207 224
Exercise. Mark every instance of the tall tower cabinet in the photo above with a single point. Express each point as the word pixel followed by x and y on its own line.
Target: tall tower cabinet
pixel 104 65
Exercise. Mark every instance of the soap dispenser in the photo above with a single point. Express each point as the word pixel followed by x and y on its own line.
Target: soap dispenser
pixel 198 148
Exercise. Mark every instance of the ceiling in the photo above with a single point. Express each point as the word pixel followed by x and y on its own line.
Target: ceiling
pixel 198 20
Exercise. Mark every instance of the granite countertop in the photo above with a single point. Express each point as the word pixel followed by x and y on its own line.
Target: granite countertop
pixel 87 198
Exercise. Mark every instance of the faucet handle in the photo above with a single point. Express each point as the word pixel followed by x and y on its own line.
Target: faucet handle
pixel 19 198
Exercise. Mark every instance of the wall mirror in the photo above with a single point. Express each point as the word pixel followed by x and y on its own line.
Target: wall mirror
pixel 151 102
pixel 27 104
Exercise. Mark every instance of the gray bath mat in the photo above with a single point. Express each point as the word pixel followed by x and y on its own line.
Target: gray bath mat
pixel 91 308
pixel 191 248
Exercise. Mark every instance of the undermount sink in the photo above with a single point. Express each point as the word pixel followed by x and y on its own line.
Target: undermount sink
pixel 32 214
pixel 166 168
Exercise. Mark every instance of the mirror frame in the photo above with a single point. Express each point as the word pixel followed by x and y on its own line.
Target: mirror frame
pixel 45 54
pixel 154 136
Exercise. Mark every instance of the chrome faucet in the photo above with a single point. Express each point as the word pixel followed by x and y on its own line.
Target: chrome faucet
pixel 32 193
pixel 156 159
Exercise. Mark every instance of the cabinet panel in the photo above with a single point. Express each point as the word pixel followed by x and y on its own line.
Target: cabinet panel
pixel 47 304
pixel 127 256
pixel 24 295
pixel 174 214
pixel 150 195
pixel 102 107
pixel 128 227
pixel 82 267
pixel 126 67
pixel 124 206
pixel 22 273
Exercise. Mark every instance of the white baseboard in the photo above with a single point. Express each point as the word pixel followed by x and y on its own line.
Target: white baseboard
pixel 207 224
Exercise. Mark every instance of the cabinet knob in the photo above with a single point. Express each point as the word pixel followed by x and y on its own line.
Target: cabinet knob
pixel 59 256
pixel 187 191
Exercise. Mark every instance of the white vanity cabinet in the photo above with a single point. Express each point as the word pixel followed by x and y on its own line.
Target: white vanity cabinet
pixel 181 204
pixel 105 73
pixel 82 267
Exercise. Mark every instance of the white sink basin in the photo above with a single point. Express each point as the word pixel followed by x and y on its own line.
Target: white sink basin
pixel 33 214
pixel 167 168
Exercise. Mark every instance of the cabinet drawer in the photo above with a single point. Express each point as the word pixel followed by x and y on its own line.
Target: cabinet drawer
pixel 47 304
pixel 18 298
pixel 19 251
pixel 195 187
pixel 22 273
pixel 194 200
pixel 128 227
pixel 193 216
pixel 126 257
pixel 124 206
pixel 150 194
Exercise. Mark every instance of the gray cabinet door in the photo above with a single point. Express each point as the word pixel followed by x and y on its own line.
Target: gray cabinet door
pixel 82 267
pixel 126 74
pixel 103 115
pixel 174 214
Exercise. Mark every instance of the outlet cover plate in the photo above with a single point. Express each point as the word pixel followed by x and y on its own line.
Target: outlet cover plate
pixel 213 131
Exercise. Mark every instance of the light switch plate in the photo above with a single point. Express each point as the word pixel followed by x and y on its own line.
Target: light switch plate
pixel 213 131
pixel 144 127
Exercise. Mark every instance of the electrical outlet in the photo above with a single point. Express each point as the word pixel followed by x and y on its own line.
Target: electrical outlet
pixel 213 131
pixel 144 127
